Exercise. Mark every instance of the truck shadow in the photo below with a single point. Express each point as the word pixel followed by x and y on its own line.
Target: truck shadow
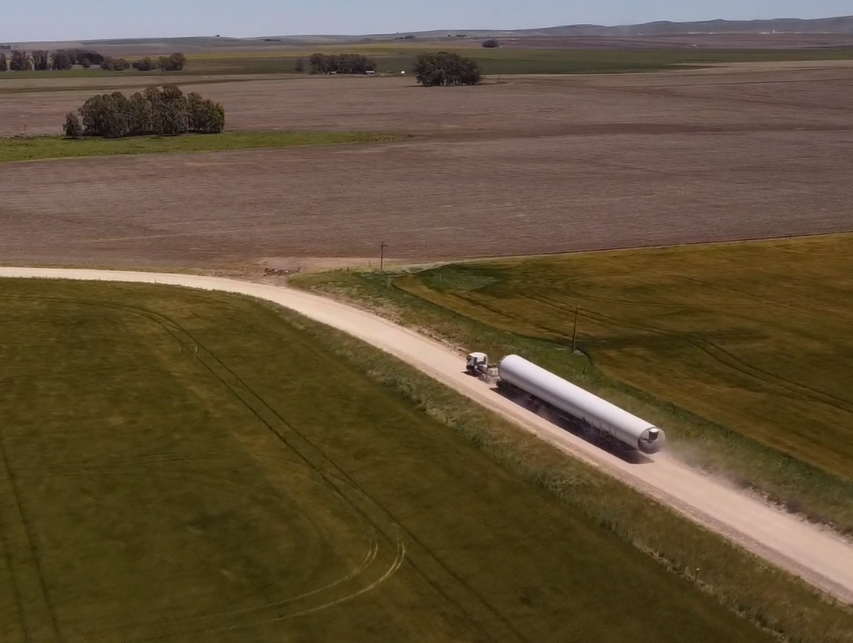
pixel 613 447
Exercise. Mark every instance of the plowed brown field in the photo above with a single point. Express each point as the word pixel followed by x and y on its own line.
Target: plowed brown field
pixel 524 166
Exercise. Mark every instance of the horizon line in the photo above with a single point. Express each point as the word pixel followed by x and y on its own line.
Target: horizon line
pixel 430 31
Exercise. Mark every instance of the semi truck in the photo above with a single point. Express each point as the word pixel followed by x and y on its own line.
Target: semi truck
pixel 538 388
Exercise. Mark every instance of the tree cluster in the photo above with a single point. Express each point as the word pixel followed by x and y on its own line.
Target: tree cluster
pixel 114 64
pixel 491 43
pixel 444 68
pixel 156 111
pixel 20 61
pixel 65 59
pixel 175 62
pixel 341 64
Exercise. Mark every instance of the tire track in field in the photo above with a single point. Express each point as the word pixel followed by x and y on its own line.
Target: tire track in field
pixel 503 313
pixel 759 300
pixel 223 373
pixel 724 357
pixel 251 493
pixel 65 469
pixel 728 359
pixel 242 385
pixel 181 337
pixel 41 604
pixel 182 348
pixel 19 607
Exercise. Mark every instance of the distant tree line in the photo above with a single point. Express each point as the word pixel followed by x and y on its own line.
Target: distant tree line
pixel 175 62
pixel 444 68
pixel 41 60
pixel 65 59
pixel 341 64
pixel 436 69
pixel 157 111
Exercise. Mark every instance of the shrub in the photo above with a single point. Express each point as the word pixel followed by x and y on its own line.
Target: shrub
pixel 444 68
pixel 146 64
pixel 114 64
pixel 175 62
pixel 72 128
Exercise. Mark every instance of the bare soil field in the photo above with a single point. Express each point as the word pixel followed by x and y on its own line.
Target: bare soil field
pixel 520 165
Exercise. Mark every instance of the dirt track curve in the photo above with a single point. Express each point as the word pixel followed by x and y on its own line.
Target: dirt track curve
pixel 819 557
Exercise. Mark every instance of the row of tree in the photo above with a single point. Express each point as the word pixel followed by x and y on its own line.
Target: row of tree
pixel 338 64
pixel 444 68
pixel 42 60
pixel 175 62
pixel 431 69
pixel 157 111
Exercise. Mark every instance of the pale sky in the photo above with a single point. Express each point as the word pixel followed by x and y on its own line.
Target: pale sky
pixel 48 20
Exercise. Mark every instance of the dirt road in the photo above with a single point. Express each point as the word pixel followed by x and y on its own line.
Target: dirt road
pixel 819 557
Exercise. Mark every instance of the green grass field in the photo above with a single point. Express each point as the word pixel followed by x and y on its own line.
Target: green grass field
pixel 104 84
pixel 92 72
pixel 741 351
pixel 180 465
pixel 38 148
pixel 401 56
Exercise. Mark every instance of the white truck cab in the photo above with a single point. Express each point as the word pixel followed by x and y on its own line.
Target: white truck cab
pixel 477 363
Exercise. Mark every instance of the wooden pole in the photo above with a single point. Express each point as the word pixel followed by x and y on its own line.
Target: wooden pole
pixel 575 330
pixel 382 247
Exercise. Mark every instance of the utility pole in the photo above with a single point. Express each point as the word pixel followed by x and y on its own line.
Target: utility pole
pixel 575 331
pixel 382 247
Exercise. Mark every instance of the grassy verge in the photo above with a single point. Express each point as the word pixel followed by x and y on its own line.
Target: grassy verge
pixel 743 360
pixel 55 147
pixel 179 464
pixel 106 84
pixel 780 604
